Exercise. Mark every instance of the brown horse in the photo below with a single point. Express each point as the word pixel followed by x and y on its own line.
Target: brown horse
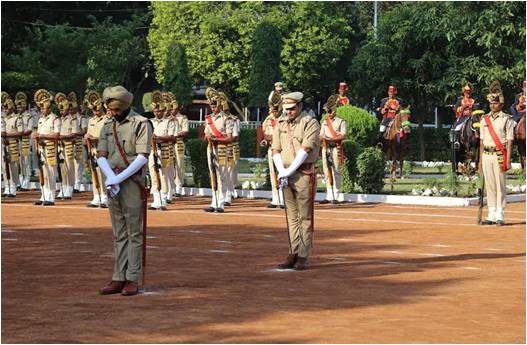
pixel 519 136
pixel 396 141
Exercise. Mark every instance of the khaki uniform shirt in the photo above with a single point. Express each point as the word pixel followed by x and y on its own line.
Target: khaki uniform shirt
pixel 338 124
pixel 95 124
pixel 69 125
pixel 222 123
pixel 269 124
pixel 50 124
pixel 135 137
pixel 13 124
pixel 82 123
pixel 503 126
pixel 163 127
pixel 288 138
pixel 182 122
pixel 27 120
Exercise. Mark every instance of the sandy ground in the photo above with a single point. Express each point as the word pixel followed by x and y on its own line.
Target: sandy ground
pixel 380 274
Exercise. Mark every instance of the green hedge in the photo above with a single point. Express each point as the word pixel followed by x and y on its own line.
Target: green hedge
pixel 370 166
pixel 248 143
pixel 349 171
pixel 362 126
pixel 197 150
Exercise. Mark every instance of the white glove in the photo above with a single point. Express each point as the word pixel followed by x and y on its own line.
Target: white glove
pixel 301 156
pixel 113 190
pixel 129 171
pixel 277 159
pixel 102 162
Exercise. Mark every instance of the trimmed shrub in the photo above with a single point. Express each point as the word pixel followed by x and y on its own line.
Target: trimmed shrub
pixel 370 166
pixel 248 143
pixel 362 126
pixel 197 150
pixel 348 170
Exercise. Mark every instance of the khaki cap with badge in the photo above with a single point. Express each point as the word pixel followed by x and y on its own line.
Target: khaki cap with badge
pixel 290 100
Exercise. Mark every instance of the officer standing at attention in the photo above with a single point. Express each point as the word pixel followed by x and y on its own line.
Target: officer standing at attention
pixel 269 124
pixel 25 145
pixel 496 138
pixel 95 124
pixel 333 131
pixel 296 146
pixel 12 130
pixel 47 134
pixel 124 146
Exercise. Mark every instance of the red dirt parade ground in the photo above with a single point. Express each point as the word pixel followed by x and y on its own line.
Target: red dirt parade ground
pixel 380 274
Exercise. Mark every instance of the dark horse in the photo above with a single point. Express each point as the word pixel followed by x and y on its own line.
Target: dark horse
pixel 396 141
pixel 519 136
pixel 466 147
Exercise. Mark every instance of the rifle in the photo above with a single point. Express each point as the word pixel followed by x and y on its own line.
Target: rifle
pixel 60 159
pixel 157 166
pixel 93 168
pixel 329 160
pixel 40 164
pixel 7 160
pixel 481 194
pixel 214 174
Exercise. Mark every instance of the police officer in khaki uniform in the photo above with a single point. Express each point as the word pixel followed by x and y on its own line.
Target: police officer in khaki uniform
pixel 168 99
pixel 47 135
pixel 233 155
pixel 25 144
pixel 123 149
pixel 496 138
pixel 95 124
pixel 296 146
pixel 333 131
pixel 80 152
pixel 218 133
pixel 179 147
pixel 12 130
pixel 269 124
pixel 68 134
pixel 160 161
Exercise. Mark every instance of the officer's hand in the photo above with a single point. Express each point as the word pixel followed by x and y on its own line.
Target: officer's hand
pixel 112 181
pixel 284 173
pixel 207 136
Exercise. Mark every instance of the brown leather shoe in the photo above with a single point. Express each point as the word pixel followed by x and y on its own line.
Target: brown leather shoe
pixel 301 264
pixel 114 287
pixel 289 262
pixel 130 289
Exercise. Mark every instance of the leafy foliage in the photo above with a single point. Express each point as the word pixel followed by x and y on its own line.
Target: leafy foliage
pixel 177 78
pixel 348 170
pixel 265 62
pixel 362 126
pixel 197 150
pixel 370 165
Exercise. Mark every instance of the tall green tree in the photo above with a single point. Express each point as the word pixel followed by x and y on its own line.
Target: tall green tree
pixel 265 63
pixel 176 74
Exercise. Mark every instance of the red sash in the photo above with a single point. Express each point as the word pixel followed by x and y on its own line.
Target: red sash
pixel 329 123
pixel 213 128
pixel 497 141
pixel 273 122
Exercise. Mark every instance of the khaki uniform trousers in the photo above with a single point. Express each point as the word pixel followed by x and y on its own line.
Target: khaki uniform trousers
pixel 218 199
pixel 494 186
pixel 274 187
pixel 179 168
pixel 25 164
pixel 50 178
pixel 332 190
pixel 10 185
pixel 67 168
pixel 160 196
pixel 126 214
pixel 299 205
pixel 79 165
